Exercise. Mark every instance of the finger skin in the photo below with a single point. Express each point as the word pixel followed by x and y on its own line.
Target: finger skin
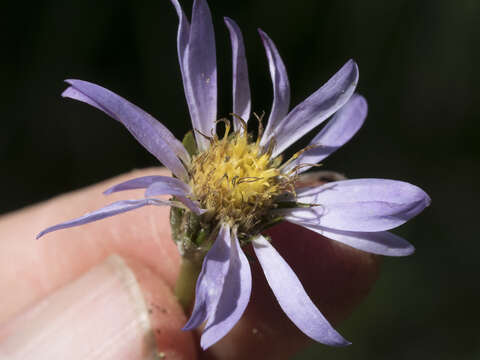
pixel 30 269
pixel 336 277
pixel 117 310
pixel 166 315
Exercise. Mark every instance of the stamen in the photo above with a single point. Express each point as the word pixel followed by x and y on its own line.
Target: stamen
pixel 211 139
pixel 299 166
pixel 271 145
pixel 234 179
pixel 260 126
pixel 248 179
pixel 243 123
pixel 298 153
pixel 227 126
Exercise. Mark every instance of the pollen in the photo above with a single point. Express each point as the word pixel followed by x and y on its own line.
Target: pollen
pixel 237 180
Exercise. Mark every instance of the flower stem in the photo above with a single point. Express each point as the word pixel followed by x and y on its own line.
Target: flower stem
pixel 185 286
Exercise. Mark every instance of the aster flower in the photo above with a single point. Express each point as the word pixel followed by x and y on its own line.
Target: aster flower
pixel 227 190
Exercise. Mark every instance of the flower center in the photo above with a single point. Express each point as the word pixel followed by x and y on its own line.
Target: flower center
pixel 236 180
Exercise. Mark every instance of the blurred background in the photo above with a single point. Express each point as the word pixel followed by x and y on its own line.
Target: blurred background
pixel 418 69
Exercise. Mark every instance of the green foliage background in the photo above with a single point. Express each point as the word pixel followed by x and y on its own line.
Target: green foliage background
pixel 418 69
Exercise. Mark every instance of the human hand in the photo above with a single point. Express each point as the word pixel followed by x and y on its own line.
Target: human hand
pixel 66 297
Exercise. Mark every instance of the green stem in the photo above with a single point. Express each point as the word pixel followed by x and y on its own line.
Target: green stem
pixel 185 286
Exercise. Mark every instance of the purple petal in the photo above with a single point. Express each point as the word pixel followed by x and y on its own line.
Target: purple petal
pixel 155 137
pixel 166 183
pixel 107 211
pixel 211 279
pixel 359 205
pixel 281 87
pixel 182 35
pixel 241 87
pixel 175 187
pixel 316 108
pixel 339 130
pixel 381 242
pixel 137 183
pixel 200 73
pixel 123 111
pixel 234 299
pixel 292 297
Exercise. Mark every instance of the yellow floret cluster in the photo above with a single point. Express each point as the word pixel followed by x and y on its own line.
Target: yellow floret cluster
pixel 237 180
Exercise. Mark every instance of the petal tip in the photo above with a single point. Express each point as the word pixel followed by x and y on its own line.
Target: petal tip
pixel 206 340
pixel 72 81
pixel 230 24
pixel 45 232
pixel 409 251
pixel 204 346
pixel 335 339
pixel 262 33
pixel 351 67
pixel 188 327
pixel 346 343
pixel 427 199
pixel 66 93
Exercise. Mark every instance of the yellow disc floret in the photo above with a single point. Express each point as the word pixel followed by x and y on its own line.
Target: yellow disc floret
pixel 236 180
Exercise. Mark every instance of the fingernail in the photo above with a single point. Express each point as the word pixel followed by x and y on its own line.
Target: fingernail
pixel 101 315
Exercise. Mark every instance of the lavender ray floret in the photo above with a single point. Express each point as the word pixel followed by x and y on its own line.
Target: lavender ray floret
pixel 281 87
pixel 149 132
pixel 380 242
pixel 199 69
pixel 358 205
pixel 315 109
pixel 142 182
pixel 175 187
pixel 339 130
pixel 112 209
pixel 234 298
pixel 292 297
pixel 241 86
pixel 211 279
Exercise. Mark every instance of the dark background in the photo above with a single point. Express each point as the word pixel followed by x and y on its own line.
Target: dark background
pixel 418 69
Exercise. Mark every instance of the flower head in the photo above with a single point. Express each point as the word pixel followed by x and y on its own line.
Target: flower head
pixel 226 190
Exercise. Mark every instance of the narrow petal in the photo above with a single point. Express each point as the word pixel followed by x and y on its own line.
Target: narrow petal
pixel 316 108
pixel 359 205
pixel 115 208
pixel 241 87
pixel 183 33
pixel 234 299
pixel 339 130
pixel 175 187
pixel 211 279
pixel 165 184
pixel 281 87
pixel 130 115
pixel 292 297
pixel 200 73
pixel 380 243
pixel 155 137
pixel 137 183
